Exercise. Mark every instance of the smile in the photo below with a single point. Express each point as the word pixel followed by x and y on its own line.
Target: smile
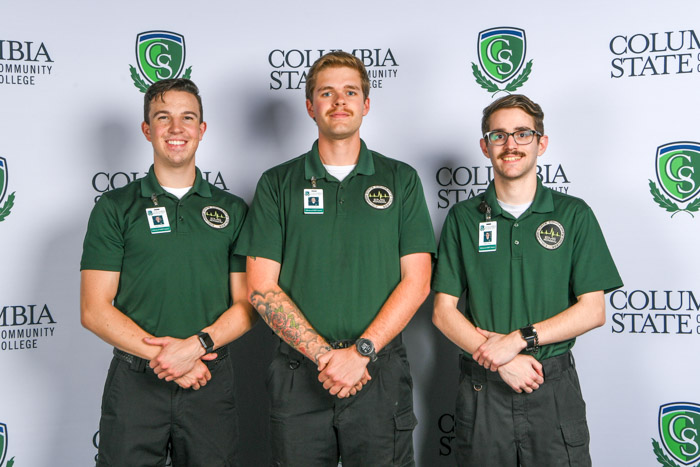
pixel 175 142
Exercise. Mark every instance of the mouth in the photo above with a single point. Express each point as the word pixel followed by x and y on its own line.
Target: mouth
pixel 512 156
pixel 175 142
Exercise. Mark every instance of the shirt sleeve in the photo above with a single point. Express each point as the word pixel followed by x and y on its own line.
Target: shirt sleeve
pixel 593 266
pixel 449 275
pixel 417 235
pixel 103 247
pixel 262 232
pixel 236 261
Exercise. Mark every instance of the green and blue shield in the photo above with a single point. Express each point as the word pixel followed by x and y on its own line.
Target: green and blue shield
pixel 3 442
pixel 3 184
pixel 160 54
pixel 501 52
pixel 678 169
pixel 679 423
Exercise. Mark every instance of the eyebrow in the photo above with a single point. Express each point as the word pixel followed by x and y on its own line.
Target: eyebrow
pixel 347 86
pixel 517 128
pixel 167 112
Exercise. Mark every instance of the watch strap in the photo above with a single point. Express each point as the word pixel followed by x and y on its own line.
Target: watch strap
pixel 206 341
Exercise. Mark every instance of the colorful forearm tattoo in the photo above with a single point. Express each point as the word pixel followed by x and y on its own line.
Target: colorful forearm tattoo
pixel 283 317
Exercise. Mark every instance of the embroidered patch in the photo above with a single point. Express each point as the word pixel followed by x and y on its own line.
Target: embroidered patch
pixel 379 197
pixel 215 217
pixel 550 234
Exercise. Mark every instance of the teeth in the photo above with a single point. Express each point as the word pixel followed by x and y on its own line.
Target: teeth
pixel 176 143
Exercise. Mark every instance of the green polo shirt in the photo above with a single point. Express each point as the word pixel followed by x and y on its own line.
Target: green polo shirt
pixel 174 283
pixel 339 266
pixel 554 252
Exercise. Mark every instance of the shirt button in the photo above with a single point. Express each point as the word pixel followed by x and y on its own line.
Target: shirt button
pixel 342 201
pixel 182 218
pixel 517 242
pixel 516 225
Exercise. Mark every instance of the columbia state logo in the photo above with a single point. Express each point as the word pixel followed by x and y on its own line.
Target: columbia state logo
pixel 379 197
pixel 550 234
pixel 3 447
pixel 7 207
pixel 215 217
pixel 501 52
pixel 679 430
pixel 678 173
pixel 159 55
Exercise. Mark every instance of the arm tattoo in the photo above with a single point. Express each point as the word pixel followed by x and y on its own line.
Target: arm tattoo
pixel 288 322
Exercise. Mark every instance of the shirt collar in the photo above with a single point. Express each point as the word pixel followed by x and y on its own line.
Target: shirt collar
pixel 313 167
pixel 150 185
pixel 543 201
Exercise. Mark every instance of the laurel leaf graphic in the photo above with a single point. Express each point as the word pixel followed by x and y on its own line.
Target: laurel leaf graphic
pixel 482 80
pixel 138 82
pixel 11 462
pixel 5 210
pixel 188 73
pixel 694 206
pixel 660 456
pixel 520 80
pixel 661 200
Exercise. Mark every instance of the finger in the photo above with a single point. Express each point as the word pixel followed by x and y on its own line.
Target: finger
pixel 155 340
pixel 209 357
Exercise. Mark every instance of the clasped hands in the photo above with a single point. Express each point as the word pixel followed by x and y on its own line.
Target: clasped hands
pixel 501 352
pixel 343 372
pixel 181 361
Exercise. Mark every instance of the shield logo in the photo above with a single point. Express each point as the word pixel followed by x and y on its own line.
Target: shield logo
pixel 3 442
pixel 160 54
pixel 3 184
pixel 679 424
pixel 501 52
pixel 678 169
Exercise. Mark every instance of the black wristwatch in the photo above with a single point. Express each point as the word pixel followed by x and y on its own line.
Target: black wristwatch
pixel 206 341
pixel 365 347
pixel 529 333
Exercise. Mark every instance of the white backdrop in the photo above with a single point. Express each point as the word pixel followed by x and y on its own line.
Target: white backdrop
pixel 616 80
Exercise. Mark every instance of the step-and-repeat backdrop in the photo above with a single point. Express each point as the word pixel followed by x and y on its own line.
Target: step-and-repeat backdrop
pixel 618 81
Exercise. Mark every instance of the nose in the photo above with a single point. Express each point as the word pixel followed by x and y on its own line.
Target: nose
pixel 510 141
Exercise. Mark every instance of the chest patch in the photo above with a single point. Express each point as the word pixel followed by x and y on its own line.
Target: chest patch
pixel 215 217
pixel 550 234
pixel 379 197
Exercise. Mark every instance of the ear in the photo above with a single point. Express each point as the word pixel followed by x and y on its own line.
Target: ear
pixel 202 129
pixel 365 109
pixel 484 148
pixel 146 129
pixel 542 144
pixel 310 109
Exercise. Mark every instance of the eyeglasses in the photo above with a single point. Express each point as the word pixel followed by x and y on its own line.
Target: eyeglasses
pixel 522 137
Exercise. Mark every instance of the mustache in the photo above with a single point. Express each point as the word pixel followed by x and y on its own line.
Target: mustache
pixel 512 152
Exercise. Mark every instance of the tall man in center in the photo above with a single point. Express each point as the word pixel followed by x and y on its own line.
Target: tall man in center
pixel 339 244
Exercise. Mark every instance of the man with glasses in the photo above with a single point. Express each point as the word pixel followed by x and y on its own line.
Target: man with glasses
pixel 534 284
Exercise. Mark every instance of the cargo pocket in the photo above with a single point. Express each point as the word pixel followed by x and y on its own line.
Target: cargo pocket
pixel 577 439
pixel 404 422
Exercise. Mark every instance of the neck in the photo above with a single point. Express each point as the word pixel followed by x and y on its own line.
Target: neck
pixel 339 152
pixel 175 177
pixel 516 192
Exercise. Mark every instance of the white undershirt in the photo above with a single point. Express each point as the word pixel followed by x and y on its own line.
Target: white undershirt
pixel 514 210
pixel 178 192
pixel 339 171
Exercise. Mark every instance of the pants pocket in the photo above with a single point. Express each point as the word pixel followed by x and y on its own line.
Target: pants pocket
pixel 577 439
pixel 404 423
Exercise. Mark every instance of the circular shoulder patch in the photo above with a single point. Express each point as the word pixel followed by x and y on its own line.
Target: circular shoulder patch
pixel 550 234
pixel 215 217
pixel 379 197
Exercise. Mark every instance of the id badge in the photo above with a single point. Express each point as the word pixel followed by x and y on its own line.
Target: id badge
pixel 487 236
pixel 313 201
pixel 158 220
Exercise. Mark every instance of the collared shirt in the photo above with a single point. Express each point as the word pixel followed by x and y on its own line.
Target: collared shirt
pixel 171 283
pixel 553 253
pixel 339 266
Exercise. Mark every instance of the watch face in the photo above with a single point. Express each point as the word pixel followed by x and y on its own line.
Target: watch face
pixel 365 346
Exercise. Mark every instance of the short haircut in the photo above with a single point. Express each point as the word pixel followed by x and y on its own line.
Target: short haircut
pixel 336 59
pixel 511 101
pixel 159 88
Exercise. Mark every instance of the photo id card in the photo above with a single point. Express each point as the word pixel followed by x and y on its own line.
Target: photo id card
pixel 158 220
pixel 313 201
pixel 487 236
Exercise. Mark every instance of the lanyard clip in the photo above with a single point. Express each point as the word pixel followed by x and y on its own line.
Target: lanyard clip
pixel 313 182
pixel 154 198
pixel 485 209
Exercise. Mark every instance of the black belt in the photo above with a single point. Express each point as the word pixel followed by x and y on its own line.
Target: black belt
pixel 140 364
pixel 552 367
